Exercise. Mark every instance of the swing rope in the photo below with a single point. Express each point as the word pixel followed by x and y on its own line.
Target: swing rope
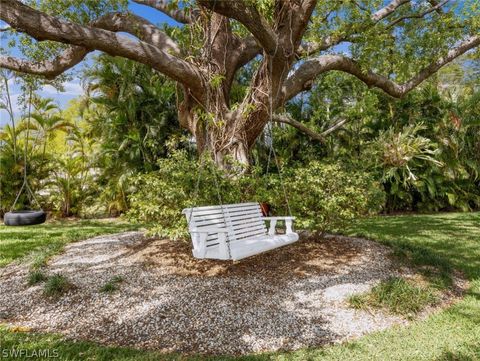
pixel 202 160
pixel 25 174
pixel 272 146
pixel 208 140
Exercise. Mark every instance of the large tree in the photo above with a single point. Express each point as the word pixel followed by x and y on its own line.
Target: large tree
pixel 285 45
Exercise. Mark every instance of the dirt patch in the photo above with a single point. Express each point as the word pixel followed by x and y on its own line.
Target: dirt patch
pixel 300 259
pixel 289 298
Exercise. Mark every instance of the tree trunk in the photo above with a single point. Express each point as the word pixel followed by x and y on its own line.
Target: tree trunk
pixel 233 157
pixel 219 133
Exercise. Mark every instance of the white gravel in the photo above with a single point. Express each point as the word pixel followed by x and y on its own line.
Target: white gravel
pixel 287 299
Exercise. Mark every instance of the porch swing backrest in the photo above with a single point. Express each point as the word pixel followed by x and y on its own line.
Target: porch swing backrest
pixel 242 221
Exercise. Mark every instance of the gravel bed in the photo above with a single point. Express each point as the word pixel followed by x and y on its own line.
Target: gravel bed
pixel 286 299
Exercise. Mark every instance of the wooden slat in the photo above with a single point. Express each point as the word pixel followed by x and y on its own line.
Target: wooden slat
pixel 240 215
pixel 206 213
pixel 246 219
pixel 247 229
pixel 252 236
pixel 244 210
pixel 250 232
pixel 218 210
pixel 212 244
pixel 225 206
pixel 238 228
pixel 253 233
pixel 241 205
pixel 245 216
pixel 203 222
pixel 208 221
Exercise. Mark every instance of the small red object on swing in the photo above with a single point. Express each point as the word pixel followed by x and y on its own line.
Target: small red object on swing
pixel 265 207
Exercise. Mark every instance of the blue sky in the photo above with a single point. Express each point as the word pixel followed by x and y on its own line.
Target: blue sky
pixel 73 88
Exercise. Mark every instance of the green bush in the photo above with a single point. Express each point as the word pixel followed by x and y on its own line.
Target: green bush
pixel 326 197
pixel 159 197
pixel 322 196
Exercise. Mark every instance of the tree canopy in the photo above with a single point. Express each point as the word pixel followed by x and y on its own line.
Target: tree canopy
pixel 280 46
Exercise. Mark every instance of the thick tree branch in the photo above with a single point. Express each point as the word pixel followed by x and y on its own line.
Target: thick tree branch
pixel 249 17
pixel 49 69
pixel 247 50
pixel 323 44
pixel 302 78
pixel 165 7
pixel 137 26
pixel 301 18
pixel 45 27
pixel 287 119
pixel 73 55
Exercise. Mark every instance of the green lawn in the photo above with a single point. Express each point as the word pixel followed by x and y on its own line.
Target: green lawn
pixel 446 240
pixel 41 241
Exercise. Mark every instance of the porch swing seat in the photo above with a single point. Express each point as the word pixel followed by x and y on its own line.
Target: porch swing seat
pixel 235 231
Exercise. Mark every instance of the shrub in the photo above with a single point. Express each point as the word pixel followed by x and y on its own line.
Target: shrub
pixel 323 197
pixel 326 197
pixel 160 196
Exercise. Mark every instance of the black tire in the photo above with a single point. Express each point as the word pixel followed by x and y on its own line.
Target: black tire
pixel 24 218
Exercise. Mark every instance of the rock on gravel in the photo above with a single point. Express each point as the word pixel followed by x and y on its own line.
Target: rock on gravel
pixel 286 299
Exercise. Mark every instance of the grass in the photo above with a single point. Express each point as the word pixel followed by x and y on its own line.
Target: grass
pixel 35 277
pixel 38 243
pixel 448 241
pixel 56 285
pixel 397 295
pixel 112 284
pixel 21 345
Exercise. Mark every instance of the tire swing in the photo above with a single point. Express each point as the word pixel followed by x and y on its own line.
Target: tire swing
pixel 25 217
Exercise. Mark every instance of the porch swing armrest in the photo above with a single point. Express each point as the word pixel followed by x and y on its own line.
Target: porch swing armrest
pixel 273 224
pixel 202 233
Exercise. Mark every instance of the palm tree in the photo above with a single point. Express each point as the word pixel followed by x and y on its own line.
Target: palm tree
pixel 137 111
pixel 46 121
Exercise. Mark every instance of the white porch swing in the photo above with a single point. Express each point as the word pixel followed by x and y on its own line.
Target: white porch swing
pixel 235 231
